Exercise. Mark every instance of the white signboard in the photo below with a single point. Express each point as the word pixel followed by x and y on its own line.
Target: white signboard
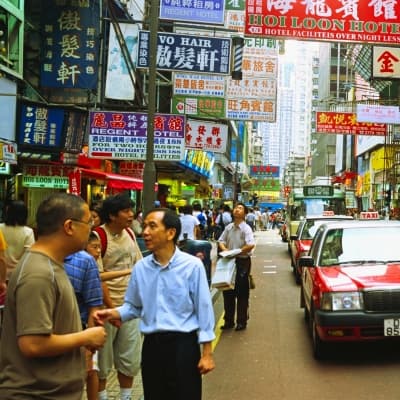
pixel 378 114
pixel 386 62
pixel 199 84
pixel 206 136
pixel 118 81
pixel 254 97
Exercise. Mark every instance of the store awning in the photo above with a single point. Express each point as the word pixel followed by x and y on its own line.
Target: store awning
pixel 114 181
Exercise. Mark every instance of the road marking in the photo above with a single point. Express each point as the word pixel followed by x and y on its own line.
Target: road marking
pixel 218 332
pixel 269 266
pixel 269 272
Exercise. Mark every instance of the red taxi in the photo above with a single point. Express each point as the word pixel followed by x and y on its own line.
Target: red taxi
pixel 300 243
pixel 350 286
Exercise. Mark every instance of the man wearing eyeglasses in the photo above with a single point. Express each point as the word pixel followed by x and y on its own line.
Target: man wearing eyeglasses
pixel 41 349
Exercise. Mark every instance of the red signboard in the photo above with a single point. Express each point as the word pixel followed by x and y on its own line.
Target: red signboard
pixel 343 123
pixel 332 20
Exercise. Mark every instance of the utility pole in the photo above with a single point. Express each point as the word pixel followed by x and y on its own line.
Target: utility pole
pixel 149 173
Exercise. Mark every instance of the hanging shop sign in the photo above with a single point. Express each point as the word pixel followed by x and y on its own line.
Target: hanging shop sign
pixel 8 153
pixel 378 114
pixel 385 62
pixel 331 20
pixel 119 84
pixel 261 171
pixel 251 110
pixel 263 184
pixel 123 135
pixel 71 32
pixel 199 85
pixel 201 106
pixel 201 162
pixel 206 136
pixel 345 123
pixel 208 12
pixel 186 53
pixel 46 176
pixel 41 127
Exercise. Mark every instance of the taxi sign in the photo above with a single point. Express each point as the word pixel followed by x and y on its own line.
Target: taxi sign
pixel 369 215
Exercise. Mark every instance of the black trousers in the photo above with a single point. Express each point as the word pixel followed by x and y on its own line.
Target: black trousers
pixel 238 298
pixel 169 366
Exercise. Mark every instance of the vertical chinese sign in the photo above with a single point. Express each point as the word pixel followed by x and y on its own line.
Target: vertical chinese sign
pixel 70 46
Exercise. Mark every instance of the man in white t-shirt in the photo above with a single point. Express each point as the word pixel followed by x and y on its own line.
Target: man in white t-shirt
pixel 190 224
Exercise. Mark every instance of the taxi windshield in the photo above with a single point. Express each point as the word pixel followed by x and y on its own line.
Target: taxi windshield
pixel 358 245
pixel 309 229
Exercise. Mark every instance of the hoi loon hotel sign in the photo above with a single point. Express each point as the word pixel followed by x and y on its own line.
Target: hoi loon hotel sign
pixel 372 21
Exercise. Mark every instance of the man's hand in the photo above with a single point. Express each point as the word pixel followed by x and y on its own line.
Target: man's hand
pixel 206 364
pixel 100 317
pixel 95 337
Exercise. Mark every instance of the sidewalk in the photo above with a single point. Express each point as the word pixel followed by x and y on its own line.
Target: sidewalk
pixel 137 390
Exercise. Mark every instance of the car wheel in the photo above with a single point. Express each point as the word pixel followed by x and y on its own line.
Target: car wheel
pixel 319 347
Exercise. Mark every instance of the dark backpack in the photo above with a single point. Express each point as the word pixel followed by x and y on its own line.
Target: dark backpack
pixel 103 238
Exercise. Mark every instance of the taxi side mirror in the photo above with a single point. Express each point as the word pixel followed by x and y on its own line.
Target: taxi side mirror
pixel 306 261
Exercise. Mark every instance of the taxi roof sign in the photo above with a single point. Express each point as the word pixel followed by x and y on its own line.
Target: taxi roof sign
pixel 369 215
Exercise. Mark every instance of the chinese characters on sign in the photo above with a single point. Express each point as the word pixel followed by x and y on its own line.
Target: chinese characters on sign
pixel 186 53
pixel 385 62
pixel 70 46
pixel 264 171
pixel 254 97
pixel 343 123
pixel 41 126
pixel 378 113
pixel 46 176
pixel 123 135
pixel 208 11
pixel 199 85
pixel 373 21
pixel 206 136
pixel 202 106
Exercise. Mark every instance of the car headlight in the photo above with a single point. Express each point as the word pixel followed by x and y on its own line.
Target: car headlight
pixel 341 301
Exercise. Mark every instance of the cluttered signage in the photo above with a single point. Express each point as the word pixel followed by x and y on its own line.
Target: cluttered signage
pixel 332 20
pixel 186 53
pixel 199 84
pixel 261 171
pixel 345 123
pixel 123 135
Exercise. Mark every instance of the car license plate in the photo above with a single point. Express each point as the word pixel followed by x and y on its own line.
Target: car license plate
pixel 392 327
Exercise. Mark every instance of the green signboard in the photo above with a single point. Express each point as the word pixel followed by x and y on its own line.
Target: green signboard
pixel 202 106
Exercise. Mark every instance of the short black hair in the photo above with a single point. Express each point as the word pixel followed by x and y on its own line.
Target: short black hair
pixel 170 220
pixel 16 213
pixel 55 209
pixel 246 210
pixel 113 204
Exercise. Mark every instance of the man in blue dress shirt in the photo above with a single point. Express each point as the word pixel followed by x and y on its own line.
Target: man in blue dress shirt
pixel 168 290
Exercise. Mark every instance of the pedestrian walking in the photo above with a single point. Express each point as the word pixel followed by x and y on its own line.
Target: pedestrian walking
pixel 17 235
pixel 41 353
pixel 120 253
pixel 168 290
pixel 190 224
pixel 238 235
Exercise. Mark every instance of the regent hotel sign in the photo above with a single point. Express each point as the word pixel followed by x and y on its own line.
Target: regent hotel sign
pixel 373 21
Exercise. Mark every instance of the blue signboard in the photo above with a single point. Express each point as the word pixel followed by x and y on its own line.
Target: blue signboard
pixel 70 45
pixel 199 161
pixel 208 12
pixel 186 53
pixel 41 127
